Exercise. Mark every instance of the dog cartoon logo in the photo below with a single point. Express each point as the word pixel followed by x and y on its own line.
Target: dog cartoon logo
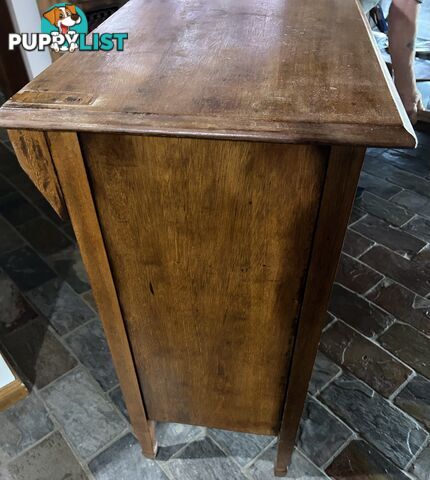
pixel 64 21
pixel 64 28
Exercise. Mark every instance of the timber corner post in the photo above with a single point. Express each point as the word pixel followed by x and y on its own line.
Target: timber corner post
pixel 343 171
pixel 70 167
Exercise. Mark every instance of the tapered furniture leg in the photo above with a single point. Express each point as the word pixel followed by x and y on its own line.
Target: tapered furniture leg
pixel 343 171
pixel 68 161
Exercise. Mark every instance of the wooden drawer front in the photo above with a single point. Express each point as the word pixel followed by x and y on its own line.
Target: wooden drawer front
pixel 209 246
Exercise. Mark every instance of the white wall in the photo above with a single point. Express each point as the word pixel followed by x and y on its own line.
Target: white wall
pixel 26 18
pixel 6 376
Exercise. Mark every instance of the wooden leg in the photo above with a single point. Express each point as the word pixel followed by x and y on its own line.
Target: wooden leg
pixel 69 164
pixel 343 171
pixel 280 471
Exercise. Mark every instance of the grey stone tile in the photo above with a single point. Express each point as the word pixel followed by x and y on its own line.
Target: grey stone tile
pixel 4 137
pixel 89 420
pixel 377 186
pixel 412 160
pixel 5 187
pixel 421 465
pixel 358 312
pixel 405 305
pixel 355 244
pixel 9 238
pixel 244 447
pixel 172 437
pixel 118 400
pixel 51 459
pixel 329 319
pixel 9 164
pixel 359 459
pixel 14 310
pixel 89 344
pixel 364 359
pixel 412 274
pixel 414 399
pixel 397 176
pixel 299 469
pixel 203 460
pixel 38 354
pixel 16 209
pixel 375 153
pixel 324 371
pixel 22 182
pixel 414 202
pixel 43 236
pixel 22 425
pixel 68 264
pixel 356 275
pixel 8 145
pixel 408 345
pixel 422 259
pixel 68 230
pixel 320 433
pixel 89 298
pixel 45 207
pixel 26 268
pixel 392 237
pixel 124 460
pixel 368 413
pixel 61 305
pixel 383 209
pixel 356 214
pixel 422 132
pixel 419 227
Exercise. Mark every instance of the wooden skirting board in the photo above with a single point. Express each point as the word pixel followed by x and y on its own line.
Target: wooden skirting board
pixel 11 387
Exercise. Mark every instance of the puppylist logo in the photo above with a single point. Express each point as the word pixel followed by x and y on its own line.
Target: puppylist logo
pixel 65 23
pixel 65 29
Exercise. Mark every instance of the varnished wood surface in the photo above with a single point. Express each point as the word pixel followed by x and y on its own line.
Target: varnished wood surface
pixel 276 70
pixel 68 160
pixel 13 392
pixel 209 244
pixel 35 159
pixel 343 171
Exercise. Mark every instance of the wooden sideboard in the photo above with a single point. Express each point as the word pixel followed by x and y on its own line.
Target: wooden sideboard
pixel 209 172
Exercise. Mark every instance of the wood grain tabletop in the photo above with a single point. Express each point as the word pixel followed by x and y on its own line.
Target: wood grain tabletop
pixel 296 71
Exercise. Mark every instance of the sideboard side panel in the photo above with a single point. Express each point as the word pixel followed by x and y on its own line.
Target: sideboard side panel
pixel 209 242
pixel 343 171
pixel 68 160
